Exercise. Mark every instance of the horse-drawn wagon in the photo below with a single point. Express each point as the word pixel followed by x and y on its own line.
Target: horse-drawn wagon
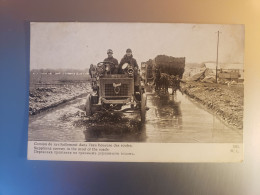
pixel 167 72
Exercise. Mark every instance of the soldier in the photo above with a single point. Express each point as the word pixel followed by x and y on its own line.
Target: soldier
pixel 175 83
pixel 92 70
pixel 92 73
pixel 110 58
pixel 128 58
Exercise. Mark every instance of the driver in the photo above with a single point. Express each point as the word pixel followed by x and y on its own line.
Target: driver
pixel 110 58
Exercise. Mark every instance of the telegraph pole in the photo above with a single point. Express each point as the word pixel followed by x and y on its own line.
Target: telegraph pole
pixel 217 59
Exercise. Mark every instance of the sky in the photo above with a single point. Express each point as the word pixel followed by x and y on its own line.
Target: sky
pixel 76 45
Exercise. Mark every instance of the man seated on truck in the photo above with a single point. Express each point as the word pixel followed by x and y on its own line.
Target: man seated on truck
pixel 110 58
pixel 128 58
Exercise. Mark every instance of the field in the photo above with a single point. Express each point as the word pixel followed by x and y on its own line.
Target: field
pixel 50 90
pixel 50 80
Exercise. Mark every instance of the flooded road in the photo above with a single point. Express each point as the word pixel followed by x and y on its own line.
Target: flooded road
pixel 170 119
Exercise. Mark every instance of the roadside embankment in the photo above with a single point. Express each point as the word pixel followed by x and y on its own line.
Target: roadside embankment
pixel 43 98
pixel 225 101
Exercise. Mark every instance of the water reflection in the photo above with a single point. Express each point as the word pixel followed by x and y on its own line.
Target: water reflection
pixel 170 119
pixel 168 109
pixel 101 134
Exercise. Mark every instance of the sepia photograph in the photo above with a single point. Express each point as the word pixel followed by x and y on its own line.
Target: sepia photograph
pixel 136 83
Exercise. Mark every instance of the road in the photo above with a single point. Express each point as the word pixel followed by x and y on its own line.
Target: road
pixel 170 119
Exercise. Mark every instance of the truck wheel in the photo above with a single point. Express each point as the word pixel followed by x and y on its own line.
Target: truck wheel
pixel 88 106
pixel 143 107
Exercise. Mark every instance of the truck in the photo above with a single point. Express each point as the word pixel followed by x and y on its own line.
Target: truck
pixel 116 92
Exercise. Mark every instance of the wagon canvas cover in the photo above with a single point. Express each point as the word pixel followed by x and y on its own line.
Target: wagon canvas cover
pixel 156 111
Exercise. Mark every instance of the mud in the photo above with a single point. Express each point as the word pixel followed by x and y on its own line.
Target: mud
pixel 44 98
pixel 225 101
pixel 112 121
pixel 170 119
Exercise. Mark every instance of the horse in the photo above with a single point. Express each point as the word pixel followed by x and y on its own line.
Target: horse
pixel 164 82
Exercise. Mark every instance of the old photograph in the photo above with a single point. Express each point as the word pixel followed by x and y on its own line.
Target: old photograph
pixel 136 82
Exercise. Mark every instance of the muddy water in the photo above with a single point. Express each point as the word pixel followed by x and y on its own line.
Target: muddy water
pixel 179 119
pixel 169 119
pixel 58 124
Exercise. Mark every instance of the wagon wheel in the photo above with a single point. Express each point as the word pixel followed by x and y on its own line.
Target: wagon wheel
pixel 143 107
pixel 88 106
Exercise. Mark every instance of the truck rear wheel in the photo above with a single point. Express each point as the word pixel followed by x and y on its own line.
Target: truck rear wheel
pixel 88 106
pixel 143 107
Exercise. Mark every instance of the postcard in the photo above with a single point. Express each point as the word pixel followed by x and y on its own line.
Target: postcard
pixel 136 92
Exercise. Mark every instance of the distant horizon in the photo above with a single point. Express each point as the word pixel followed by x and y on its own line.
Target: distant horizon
pixel 77 45
pixel 81 69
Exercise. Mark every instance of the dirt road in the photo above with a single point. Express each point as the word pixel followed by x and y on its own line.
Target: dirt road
pixel 170 119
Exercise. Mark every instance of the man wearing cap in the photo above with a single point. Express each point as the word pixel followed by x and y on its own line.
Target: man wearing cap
pixel 128 58
pixel 110 58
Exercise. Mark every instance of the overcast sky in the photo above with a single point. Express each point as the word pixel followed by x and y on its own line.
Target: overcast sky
pixel 77 45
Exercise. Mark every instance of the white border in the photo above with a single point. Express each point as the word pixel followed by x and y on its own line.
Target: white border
pixel 143 152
